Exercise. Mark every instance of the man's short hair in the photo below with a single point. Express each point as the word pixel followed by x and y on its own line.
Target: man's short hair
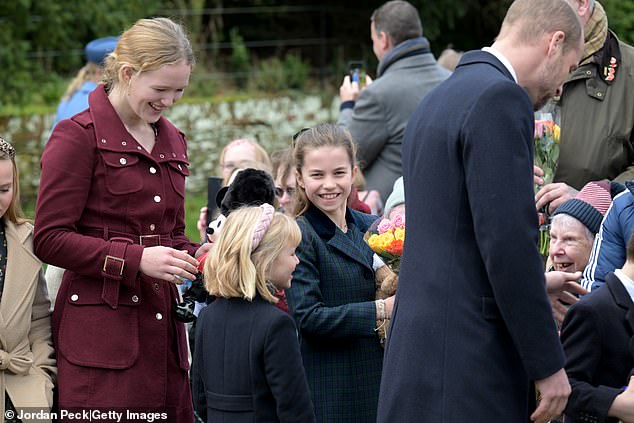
pixel 531 19
pixel 399 20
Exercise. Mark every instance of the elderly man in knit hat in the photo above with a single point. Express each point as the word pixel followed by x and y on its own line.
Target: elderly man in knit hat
pixel 572 230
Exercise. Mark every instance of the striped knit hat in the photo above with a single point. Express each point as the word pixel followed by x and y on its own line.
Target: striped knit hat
pixel 589 205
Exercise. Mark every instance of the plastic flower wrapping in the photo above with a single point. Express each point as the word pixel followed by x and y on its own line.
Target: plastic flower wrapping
pixel 385 237
pixel 547 134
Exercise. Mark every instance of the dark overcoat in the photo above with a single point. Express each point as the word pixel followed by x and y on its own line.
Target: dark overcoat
pixel 472 323
pixel 332 301
pixel 597 338
pixel 102 200
pixel 248 365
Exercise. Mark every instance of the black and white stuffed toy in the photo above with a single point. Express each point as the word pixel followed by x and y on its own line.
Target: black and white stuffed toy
pixel 250 187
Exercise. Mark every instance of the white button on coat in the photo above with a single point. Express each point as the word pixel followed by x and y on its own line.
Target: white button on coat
pixel 157 198
pixel 152 170
pixel 159 316
pixel 74 297
pixel 123 161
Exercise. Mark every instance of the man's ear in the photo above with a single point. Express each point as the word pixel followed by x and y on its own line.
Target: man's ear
pixel 583 9
pixel 556 43
pixel 386 41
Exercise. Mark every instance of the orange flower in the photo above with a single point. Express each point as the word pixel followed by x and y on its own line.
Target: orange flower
pixel 395 248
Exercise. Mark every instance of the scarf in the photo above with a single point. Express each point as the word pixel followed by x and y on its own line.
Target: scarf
pixel 596 31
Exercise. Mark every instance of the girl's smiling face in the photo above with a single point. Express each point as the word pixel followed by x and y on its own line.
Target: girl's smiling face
pixel 326 177
pixel 152 92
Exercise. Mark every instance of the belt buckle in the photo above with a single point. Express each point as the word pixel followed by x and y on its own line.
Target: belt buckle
pixel 156 237
pixel 115 259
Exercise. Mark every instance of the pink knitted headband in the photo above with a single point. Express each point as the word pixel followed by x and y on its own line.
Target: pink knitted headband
pixel 263 225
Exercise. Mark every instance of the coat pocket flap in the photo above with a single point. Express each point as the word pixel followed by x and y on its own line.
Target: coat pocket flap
pixel 119 159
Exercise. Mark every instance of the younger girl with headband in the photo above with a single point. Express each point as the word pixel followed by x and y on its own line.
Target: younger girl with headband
pixel 247 359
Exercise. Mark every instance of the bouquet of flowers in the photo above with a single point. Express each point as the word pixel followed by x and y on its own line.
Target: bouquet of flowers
pixel 385 237
pixel 547 135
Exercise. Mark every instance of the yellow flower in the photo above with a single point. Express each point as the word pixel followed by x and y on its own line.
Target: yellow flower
pixel 399 233
pixel 375 243
pixel 385 240
pixel 556 133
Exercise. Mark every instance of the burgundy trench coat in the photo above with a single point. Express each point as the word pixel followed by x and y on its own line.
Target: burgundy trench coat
pixel 102 199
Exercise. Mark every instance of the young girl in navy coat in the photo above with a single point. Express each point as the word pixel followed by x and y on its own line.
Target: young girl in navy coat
pixel 247 357
pixel 332 297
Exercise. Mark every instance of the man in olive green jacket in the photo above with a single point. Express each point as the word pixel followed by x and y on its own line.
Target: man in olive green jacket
pixel 597 112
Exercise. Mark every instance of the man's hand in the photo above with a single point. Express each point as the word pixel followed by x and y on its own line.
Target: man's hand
pixel 561 286
pixel 554 195
pixel 349 91
pixel 554 391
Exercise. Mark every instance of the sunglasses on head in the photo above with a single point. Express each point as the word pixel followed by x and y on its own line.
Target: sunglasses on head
pixel 280 191
pixel 296 135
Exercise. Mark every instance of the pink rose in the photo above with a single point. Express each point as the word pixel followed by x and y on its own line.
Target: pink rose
pixel 398 221
pixel 385 226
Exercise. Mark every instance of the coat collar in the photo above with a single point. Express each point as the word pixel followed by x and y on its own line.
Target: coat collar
pixel 479 56
pixel 413 47
pixel 621 298
pixel 344 243
pixel 22 268
pixel 112 136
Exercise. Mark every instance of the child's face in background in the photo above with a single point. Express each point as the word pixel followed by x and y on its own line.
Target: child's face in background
pixel 281 271
pixel 327 177
pixel 286 188
pixel 6 185
pixel 236 153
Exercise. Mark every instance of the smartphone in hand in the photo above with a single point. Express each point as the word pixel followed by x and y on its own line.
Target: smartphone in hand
pixel 356 69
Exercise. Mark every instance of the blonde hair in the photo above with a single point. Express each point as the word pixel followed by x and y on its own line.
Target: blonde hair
pixel 14 211
pixel 232 270
pixel 529 20
pixel 148 45
pixel 322 135
pixel 261 156
pixel 89 72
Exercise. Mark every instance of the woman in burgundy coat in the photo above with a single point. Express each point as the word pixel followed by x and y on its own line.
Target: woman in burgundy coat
pixel 111 211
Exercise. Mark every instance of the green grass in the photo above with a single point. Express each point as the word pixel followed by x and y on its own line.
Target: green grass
pixel 193 203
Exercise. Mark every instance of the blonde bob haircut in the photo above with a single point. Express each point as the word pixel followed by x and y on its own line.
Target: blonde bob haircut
pixel 148 45
pixel 232 270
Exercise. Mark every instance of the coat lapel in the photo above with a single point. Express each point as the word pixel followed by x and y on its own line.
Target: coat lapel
pixel 22 269
pixel 344 243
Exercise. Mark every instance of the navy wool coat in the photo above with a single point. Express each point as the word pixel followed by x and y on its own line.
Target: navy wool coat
pixel 597 335
pixel 472 323
pixel 332 300
pixel 248 365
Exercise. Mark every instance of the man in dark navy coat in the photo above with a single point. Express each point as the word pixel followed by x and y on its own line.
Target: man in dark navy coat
pixel 472 330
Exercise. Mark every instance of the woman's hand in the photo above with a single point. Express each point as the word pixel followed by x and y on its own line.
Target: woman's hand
pixel 168 264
